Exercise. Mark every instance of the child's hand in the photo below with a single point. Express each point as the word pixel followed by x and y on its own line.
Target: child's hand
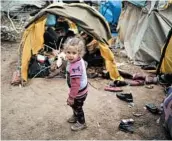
pixel 70 101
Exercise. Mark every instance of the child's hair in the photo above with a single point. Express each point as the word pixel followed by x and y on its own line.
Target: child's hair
pixel 75 42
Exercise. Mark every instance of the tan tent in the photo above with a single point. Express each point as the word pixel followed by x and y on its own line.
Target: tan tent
pixel 143 30
pixel 84 16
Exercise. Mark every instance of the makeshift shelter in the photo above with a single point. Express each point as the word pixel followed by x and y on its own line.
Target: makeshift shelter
pixel 143 28
pixel 111 11
pixel 84 16
pixel 165 64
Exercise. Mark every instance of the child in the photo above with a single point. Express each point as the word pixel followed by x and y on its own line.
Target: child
pixel 74 49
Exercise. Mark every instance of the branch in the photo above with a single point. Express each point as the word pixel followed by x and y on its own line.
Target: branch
pixel 12 22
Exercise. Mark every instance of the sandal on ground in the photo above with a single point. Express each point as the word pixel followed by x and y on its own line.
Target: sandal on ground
pixel 113 89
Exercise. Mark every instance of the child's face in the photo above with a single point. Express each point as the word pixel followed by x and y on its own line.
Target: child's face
pixel 72 54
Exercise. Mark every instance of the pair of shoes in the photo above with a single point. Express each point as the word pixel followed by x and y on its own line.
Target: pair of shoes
pixel 125 96
pixel 78 126
pixel 72 119
pixel 126 125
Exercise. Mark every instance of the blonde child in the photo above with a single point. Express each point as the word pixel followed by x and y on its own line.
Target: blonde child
pixel 74 49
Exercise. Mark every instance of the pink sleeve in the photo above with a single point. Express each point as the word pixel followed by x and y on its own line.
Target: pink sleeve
pixel 75 85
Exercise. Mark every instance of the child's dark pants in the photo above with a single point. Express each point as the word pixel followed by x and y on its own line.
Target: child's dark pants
pixel 78 110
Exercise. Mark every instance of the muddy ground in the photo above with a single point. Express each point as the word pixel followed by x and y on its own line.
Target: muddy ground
pixel 39 111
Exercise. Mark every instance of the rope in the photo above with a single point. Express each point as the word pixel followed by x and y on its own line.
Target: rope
pixel 40 72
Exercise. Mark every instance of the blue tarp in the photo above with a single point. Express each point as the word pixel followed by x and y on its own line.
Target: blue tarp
pixel 111 10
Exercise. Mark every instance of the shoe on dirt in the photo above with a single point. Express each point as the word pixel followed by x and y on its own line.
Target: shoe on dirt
pixel 126 128
pixel 78 126
pixel 72 119
pixel 125 97
pixel 152 108
pixel 127 121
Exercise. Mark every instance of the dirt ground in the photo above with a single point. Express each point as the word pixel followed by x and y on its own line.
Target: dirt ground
pixel 39 111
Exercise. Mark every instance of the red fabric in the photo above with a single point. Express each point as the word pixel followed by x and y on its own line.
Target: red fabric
pixel 75 85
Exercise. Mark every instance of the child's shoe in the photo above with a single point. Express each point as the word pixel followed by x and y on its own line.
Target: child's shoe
pixel 72 119
pixel 78 126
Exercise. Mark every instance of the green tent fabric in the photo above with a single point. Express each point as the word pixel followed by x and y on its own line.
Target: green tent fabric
pixel 84 16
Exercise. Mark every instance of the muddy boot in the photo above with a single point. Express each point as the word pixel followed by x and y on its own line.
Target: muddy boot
pixel 78 126
pixel 72 119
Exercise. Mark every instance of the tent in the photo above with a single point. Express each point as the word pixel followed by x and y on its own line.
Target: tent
pixel 143 29
pixel 111 10
pixel 165 65
pixel 84 16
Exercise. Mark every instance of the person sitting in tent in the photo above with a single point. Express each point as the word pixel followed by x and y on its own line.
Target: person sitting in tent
pixel 56 29
pixel 92 56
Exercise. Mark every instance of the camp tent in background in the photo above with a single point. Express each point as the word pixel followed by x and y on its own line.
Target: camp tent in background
pixel 165 65
pixel 84 16
pixel 143 29
pixel 111 11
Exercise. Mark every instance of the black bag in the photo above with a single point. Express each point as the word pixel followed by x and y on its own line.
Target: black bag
pixel 38 69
